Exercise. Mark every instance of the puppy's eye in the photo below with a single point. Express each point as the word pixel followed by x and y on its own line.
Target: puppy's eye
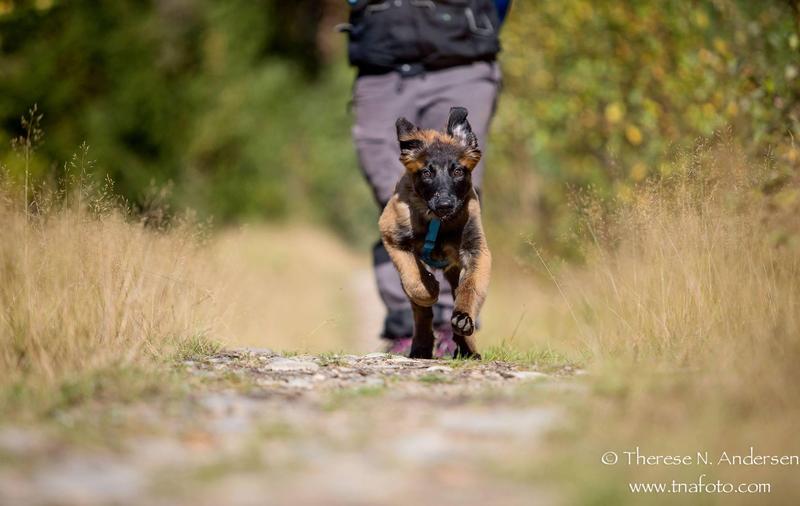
pixel 426 173
pixel 458 171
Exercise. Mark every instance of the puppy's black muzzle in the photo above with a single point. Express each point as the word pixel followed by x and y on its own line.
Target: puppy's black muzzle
pixel 443 207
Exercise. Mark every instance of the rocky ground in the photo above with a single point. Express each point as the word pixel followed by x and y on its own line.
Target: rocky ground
pixel 258 428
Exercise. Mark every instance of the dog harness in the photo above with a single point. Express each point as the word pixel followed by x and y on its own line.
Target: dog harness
pixel 430 243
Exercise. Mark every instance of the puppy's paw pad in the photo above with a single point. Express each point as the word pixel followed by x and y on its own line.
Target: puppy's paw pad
pixel 462 323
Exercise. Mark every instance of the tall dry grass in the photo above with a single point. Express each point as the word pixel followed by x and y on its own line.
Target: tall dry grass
pixel 700 268
pixel 92 299
pixel 689 309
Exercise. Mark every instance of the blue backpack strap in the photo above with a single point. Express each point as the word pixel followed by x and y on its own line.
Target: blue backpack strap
pixel 430 243
pixel 502 9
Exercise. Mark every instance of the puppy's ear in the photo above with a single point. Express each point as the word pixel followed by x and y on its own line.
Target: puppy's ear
pixel 404 128
pixel 459 128
pixel 410 143
pixel 405 134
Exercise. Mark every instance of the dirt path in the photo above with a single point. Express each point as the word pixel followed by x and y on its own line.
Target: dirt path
pixel 260 428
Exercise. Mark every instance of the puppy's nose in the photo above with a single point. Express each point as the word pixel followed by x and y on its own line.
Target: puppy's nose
pixel 445 204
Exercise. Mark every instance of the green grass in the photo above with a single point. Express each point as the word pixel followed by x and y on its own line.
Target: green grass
pixel 83 406
pixel 115 384
pixel 434 379
pixel 544 359
pixel 331 359
pixel 196 348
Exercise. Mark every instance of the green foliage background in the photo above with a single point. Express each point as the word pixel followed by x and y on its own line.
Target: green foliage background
pixel 232 103
pixel 242 105
pixel 606 94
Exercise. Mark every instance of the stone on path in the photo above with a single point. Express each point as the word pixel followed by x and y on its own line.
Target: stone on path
pixel 288 364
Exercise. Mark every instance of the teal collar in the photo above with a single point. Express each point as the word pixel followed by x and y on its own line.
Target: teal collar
pixel 430 243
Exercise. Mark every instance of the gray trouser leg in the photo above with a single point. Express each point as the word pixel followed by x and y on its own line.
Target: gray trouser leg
pixel 425 100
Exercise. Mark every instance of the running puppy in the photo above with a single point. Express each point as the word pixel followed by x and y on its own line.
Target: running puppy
pixel 434 217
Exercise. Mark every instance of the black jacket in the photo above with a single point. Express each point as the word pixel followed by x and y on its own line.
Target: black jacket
pixel 411 36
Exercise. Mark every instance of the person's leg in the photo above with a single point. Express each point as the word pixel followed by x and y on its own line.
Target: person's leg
pixel 472 86
pixel 378 101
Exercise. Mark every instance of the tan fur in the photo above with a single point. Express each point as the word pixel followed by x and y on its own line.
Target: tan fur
pixel 476 269
pixel 470 160
pixel 414 163
pixel 419 284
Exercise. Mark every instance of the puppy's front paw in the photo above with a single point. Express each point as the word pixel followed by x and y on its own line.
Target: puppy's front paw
pixel 462 323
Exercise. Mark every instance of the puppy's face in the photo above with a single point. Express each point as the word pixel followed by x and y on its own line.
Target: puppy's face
pixel 440 163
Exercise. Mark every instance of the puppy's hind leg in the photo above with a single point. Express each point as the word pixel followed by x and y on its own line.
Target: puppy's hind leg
pixel 422 344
